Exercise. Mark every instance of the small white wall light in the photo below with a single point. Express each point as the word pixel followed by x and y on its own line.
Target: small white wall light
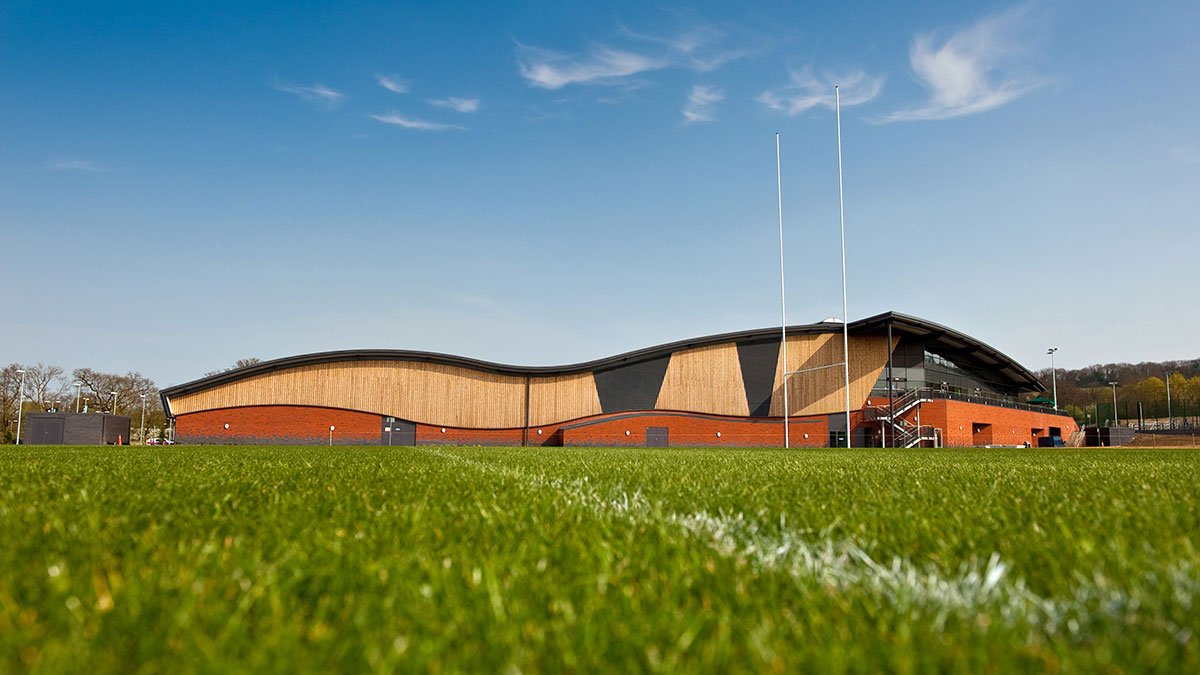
pixel 443 430
pixel 718 434
pixel 806 435
pixel 626 433
pixel 331 427
pixel 539 432
pixel 226 425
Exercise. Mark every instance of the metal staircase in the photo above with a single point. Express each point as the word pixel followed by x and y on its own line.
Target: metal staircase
pixel 905 434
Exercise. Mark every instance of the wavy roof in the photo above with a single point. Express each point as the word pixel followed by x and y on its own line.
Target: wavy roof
pixel 947 342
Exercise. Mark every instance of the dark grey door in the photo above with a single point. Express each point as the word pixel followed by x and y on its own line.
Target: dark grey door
pixel 656 437
pixel 45 431
pixel 398 432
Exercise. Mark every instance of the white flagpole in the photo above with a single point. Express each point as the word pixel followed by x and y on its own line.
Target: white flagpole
pixel 842 217
pixel 782 297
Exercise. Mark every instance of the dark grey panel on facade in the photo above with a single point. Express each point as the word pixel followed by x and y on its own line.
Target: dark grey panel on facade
pixel 85 429
pixel 116 430
pixel 631 387
pixel 398 432
pixel 758 361
pixel 44 431
pixel 657 437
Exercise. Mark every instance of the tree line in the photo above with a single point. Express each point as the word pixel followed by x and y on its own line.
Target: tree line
pixel 49 387
pixel 1141 391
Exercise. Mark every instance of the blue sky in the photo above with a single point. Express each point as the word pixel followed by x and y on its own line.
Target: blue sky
pixel 184 185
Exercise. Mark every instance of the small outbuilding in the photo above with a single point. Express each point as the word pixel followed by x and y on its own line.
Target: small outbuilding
pixel 75 429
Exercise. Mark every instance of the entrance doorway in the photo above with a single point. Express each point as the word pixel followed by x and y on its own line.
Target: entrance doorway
pixel 656 437
pixel 398 432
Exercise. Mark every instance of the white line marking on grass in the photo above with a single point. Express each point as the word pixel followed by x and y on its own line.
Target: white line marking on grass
pixel 844 565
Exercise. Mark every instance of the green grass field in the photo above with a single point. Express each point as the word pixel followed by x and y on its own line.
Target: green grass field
pixel 257 559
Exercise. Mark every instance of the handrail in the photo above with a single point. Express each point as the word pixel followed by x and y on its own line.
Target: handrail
pixel 902 403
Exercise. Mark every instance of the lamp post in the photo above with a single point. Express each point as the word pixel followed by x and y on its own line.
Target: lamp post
pixel 1170 419
pixel 114 405
pixel 1116 420
pixel 142 432
pixel 1053 376
pixel 20 404
pixel 77 386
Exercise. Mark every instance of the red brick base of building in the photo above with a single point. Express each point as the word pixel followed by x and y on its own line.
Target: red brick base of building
pixel 960 424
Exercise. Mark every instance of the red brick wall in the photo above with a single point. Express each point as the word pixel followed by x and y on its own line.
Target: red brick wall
pixel 310 425
pixel 1008 427
pixel 685 429
pixel 284 424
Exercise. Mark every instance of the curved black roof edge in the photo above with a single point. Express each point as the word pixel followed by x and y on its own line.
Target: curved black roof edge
pixel 954 341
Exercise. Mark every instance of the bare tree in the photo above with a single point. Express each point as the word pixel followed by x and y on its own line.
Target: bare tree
pixel 129 389
pixel 240 363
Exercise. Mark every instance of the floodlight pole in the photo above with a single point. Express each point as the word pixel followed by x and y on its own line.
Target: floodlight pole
pixel 1053 375
pixel 1116 420
pixel 142 432
pixel 20 404
pixel 837 99
pixel 114 405
pixel 1170 418
pixel 782 295
pixel 77 386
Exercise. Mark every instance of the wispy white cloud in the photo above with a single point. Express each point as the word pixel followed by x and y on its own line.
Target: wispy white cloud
pixel 462 105
pixel 317 93
pixel 392 83
pixel 700 47
pixel 600 65
pixel 76 165
pixel 412 123
pixel 700 102
pixel 1186 154
pixel 807 90
pixel 968 72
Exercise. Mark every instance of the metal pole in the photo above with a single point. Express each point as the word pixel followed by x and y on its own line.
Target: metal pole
pixel 1170 419
pixel 77 386
pixel 331 428
pixel 837 99
pixel 20 404
pixel 891 401
pixel 1053 376
pixel 1116 419
pixel 782 296
pixel 114 405
pixel 142 432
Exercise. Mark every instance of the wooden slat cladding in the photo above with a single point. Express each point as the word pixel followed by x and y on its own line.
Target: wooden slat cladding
pixel 707 380
pixel 820 392
pixel 557 399
pixel 419 392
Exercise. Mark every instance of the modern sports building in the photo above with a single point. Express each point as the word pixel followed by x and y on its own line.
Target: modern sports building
pixel 911 382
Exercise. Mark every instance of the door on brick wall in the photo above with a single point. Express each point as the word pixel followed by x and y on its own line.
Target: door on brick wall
pixel 398 432
pixel 656 437
pixel 981 434
pixel 44 431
